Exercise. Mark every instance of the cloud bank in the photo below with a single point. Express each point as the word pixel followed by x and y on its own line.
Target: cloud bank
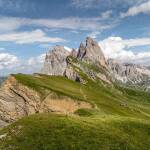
pixel 72 23
pixel 8 61
pixel 135 10
pixel 117 48
pixel 29 37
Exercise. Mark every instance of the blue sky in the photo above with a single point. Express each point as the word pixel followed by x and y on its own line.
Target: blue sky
pixel 29 27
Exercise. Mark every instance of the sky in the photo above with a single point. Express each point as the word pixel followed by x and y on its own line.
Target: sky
pixel 28 28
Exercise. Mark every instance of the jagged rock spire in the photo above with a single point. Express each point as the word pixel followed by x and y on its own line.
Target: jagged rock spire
pixel 55 61
pixel 73 53
pixel 81 51
pixel 90 41
pixel 92 53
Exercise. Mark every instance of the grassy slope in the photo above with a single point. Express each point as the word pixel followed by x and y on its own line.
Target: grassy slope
pixel 55 132
pixel 109 126
pixel 107 99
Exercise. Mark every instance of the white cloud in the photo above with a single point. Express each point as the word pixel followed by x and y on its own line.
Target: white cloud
pixel 72 23
pixel 94 34
pixel 142 8
pixel 8 61
pixel 116 48
pixel 10 23
pixel 106 14
pixel 35 61
pixel 29 37
pixel 12 64
pixel 111 46
pixel 68 48
pixel 85 3
pixel 137 42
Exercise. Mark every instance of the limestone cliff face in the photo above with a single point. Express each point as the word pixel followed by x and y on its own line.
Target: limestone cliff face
pixel 73 53
pixel 130 73
pixel 55 61
pixel 18 100
pixel 89 54
pixel 81 52
pixel 124 70
pixel 92 53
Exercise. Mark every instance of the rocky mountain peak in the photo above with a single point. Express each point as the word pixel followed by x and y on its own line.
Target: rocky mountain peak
pixel 81 51
pixel 90 42
pixel 58 50
pixel 122 69
pixel 73 53
pixel 55 61
pixel 92 53
pixel 130 73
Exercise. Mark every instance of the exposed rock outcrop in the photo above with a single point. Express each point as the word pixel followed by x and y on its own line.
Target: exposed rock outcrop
pixel 70 73
pixel 73 53
pixel 18 100
pixel 130 73
pixel 55 61
pixel 122 71
pixel 63 104
pixel 92 53
pixel 81 52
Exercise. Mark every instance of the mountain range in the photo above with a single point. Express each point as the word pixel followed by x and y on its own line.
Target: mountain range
pixel 58 61
pixel 80 100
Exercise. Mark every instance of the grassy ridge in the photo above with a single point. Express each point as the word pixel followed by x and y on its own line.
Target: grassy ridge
pixel 108 100
pixel 55 132
pixel 119 121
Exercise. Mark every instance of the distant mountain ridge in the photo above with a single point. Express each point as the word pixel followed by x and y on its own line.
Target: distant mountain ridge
pixel 108 70
pixel 71 64
pixel 55 61
pixel 130 74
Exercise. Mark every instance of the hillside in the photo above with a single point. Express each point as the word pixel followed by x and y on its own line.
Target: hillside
pixel 110 100
pixel 118 119
pixel 55 132
pixel 80 106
